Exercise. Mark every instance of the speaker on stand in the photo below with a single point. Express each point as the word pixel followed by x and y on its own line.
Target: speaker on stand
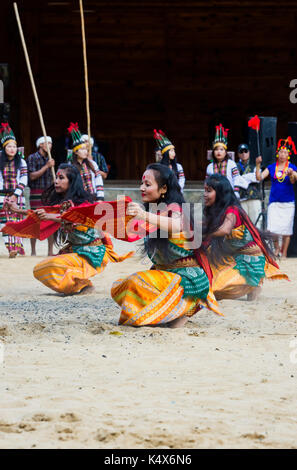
pixel 267 138
pixel 292 250
pixel 4 112
pixel 267 144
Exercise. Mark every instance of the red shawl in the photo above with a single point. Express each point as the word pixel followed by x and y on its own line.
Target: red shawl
pixel 204 263
pixel 32 226
pixel 103 215
pixel 256 236
pixel 110 216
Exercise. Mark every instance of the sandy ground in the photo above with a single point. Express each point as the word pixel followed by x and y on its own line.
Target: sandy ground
pixel 72 378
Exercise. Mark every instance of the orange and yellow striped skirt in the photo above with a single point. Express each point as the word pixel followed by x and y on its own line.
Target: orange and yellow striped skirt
pixel 155 297
pixel 228 283
pixel 69 273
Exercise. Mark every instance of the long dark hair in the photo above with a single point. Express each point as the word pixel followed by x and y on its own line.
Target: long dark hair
pixel 76 163
pixel 4 159
pixel 167 161
pixel 164 176
pixel 75 192
pixel 214 217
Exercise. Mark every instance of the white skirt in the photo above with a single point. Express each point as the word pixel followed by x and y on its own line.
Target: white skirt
pixel 280 217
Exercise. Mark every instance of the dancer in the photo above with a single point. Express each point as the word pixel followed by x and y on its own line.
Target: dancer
pixel 40 178
pixel 169 157
pixel 88 168
pixel 222 163
pixel 238 253
pixel 13 179
pixel 83 251
pixel 177 285
pixel 281 208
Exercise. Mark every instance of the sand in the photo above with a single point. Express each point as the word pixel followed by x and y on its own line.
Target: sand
pixel 72 378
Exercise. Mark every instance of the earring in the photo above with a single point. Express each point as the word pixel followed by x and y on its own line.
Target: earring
pixel 163 195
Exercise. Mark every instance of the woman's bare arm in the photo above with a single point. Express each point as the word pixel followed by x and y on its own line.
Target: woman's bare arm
pixel 226 227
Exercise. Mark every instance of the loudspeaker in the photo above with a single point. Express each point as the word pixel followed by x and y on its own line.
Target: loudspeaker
pixel 292 131
pixel 4 112
pixel 267 140
pixel 292 250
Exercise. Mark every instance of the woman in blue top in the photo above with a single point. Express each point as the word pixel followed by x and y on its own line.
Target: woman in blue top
pixel 281 208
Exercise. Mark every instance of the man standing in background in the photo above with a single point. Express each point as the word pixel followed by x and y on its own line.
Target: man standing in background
pixel 40 178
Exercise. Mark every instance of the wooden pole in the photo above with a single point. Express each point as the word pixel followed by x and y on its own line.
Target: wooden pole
pixel 86 74
pixel 33 84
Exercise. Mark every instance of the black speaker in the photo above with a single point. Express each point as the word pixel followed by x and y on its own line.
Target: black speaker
pixel 4 112
pixel 267 140
pixel 292 131
pixel 292 250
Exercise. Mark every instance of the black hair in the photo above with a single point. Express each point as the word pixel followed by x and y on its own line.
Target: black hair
pixel 76 163
pixel 75 193
pixel 164 176
pixel 167 161
pixel 214 217
pixel 4 159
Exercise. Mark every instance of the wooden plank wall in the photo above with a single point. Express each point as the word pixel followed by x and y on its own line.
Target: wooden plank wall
pixel 179 66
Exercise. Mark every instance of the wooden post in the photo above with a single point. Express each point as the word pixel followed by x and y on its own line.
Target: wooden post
pixel 86 75
pixel 33 84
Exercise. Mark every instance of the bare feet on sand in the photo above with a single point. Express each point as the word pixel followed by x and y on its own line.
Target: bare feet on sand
pixel 254 294
pixel 87 290
pixel 178 323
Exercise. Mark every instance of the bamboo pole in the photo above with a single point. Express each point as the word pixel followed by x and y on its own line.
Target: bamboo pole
pixel 33 84
pixel 86 75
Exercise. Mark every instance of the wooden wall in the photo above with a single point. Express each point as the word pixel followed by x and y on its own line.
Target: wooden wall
pixel 182 66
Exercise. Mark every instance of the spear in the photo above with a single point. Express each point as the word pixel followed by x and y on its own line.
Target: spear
pixel 33 85
pixel 86 73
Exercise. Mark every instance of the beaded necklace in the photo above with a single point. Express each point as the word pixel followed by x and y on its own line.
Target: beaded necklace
pixel 283 173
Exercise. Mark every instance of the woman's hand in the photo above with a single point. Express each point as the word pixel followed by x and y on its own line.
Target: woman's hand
pixel 135 210
pixel 42 215
pixel 10 204
pixel 259 161
pixel 292 175
pixel 260 175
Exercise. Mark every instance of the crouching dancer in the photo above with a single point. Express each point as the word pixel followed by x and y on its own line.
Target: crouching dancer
pixel 83 252
pixel 177 285
pixel 239 255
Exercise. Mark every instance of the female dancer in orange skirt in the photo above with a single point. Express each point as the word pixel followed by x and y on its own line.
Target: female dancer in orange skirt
pixel 239 256
pixel 177 285
pixel 84 252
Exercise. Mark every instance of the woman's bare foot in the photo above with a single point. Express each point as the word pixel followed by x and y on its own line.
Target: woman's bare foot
pixel 87 290
pixel 178 323
pixel 12 254
pixel 254 294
